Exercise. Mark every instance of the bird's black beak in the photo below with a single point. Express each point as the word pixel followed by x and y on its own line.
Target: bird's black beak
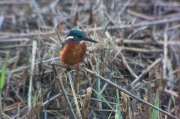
pixel 89 39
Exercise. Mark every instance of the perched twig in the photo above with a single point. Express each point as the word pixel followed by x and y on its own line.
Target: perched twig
pixel 74 95
pixel 64 92
pixel 72 67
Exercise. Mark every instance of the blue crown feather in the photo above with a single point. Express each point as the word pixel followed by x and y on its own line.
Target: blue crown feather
pixel 78 33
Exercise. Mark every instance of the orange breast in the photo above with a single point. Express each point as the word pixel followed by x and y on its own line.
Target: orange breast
pixel 73 52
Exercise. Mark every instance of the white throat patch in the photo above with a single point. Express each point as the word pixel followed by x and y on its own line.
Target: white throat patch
pixel 81 42
pixel 69 37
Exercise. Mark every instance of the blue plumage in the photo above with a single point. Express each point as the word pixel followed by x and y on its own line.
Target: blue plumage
pixel 78 33
pixel 78 36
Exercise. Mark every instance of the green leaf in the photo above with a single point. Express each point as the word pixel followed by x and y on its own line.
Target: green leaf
pixel 155 113
pixel 105 100
pixel 35 99
pixel 117 116
pixel 3 76
pixel 118 109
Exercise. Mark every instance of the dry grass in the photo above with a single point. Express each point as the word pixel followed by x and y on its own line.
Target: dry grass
pixel 138 53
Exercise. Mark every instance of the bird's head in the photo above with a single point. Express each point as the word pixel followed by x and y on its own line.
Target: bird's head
pixel 78 36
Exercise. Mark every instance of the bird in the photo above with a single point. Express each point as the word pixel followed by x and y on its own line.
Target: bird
pixel 74 48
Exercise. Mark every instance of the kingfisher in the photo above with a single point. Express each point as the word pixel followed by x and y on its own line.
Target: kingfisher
pixel 73 48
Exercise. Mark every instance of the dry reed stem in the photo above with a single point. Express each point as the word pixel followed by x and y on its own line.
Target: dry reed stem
pixel 128 31
pixel 31 75
pixel 74 95
pixel 130 94
pixel 86 103
pixel 64 92
pixel 146 71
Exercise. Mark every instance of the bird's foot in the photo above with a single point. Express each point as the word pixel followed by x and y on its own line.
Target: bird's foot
pixel 67 68
pixel 77 67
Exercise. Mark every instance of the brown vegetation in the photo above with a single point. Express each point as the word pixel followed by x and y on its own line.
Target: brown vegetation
pixel 138 53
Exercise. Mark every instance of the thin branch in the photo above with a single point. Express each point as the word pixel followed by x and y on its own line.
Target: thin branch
pixel 146 71
pixel 31 35
pixel 130 94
